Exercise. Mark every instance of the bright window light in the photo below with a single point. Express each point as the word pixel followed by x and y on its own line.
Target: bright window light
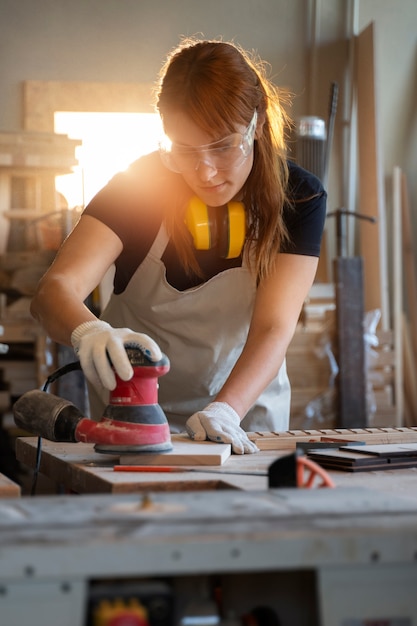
pixel 110 142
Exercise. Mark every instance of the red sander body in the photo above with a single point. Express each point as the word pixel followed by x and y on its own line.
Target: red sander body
pixel 132 422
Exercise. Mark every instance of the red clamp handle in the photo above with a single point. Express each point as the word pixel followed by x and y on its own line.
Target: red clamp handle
pixel 309 474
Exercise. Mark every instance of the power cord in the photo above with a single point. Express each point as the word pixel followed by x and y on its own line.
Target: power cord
pixel 61 371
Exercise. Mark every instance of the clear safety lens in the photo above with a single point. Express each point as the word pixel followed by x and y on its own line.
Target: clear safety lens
pixel 221 155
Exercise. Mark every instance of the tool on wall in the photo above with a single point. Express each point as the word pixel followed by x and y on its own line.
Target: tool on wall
pixel 334 95
pixel 132 422
pixel 314 139
pixel 311 144
pixel 312 152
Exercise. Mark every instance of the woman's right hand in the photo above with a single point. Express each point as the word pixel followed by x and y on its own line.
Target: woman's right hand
pixel 101 350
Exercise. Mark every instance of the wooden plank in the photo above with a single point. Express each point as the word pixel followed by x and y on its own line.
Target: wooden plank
pixel 305 395
pixel 410 390
pixel 359 460
pixel 371 186
pixel 308 340
pixel 309 369
pixel 397 279
pixel 409 259
pixel 8 488
pixel 185 452
pixel 409 342
pixel 288 440
pixel 382 378
pixel 385 358
pixel 18 331
pixel 351 380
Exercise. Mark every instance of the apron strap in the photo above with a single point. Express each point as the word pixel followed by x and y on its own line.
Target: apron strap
pixel 160 243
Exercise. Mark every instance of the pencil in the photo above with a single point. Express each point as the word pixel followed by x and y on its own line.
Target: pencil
pixel 169 469
pixel 148 468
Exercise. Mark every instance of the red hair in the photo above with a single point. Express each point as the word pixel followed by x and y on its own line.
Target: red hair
pixel 219 86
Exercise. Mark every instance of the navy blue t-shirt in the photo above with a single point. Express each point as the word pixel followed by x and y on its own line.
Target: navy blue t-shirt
pixel 120 206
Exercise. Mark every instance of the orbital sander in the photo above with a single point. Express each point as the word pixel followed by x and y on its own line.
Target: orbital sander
pixel 132 422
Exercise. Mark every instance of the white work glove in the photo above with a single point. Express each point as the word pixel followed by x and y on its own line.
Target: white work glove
pixel 96 342
pixel 220 423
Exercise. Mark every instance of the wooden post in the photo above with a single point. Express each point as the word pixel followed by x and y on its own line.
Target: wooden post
pixel 348 272
pixel 371 188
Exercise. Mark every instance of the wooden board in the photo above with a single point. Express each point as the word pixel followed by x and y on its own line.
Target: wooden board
pixel 389 450
pixel 8 488
pixel 185 452
pixel 351 387
pixel 288 440
pixel 367 458
pixel 371 200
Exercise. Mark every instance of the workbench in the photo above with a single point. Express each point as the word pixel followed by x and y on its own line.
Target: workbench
pixel 79 469
pixel 207 548
pixel 315 557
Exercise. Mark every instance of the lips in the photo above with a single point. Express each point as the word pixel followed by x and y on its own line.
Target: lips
pixel 213 189
pixel 213 185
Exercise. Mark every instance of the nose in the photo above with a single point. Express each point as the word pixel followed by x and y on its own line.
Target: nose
pixel 205 169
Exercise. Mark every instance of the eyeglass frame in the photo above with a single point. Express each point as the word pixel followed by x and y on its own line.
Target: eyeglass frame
pixel 246 141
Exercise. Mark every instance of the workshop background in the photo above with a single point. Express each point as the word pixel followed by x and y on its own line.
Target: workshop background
pixel 105 55
pixel 219 538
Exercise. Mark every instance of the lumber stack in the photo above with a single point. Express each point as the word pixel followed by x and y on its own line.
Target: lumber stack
pixel 312 369
pixel 381 371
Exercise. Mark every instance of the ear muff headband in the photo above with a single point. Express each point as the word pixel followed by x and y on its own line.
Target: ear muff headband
pixel 220 227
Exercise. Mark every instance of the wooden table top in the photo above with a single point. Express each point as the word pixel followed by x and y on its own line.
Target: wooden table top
pixel 8 488
pixel 78 468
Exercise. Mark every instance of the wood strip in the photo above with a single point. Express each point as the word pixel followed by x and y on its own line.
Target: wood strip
pixel 397 312
pixel 409 260
pixel 409 331
pixel 410 391
pixel 288 440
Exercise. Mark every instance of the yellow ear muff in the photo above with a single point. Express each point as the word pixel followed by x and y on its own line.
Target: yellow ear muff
pixel 236 228
pixel 198 223
pixel 220 227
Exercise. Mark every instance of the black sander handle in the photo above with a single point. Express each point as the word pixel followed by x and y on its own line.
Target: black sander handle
pixel 46 415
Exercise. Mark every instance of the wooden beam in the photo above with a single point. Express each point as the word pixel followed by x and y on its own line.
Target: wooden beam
pixel 373 245
pixel 352 409
pixel 397 280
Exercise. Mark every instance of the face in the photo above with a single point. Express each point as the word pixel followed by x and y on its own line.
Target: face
pixel 203 168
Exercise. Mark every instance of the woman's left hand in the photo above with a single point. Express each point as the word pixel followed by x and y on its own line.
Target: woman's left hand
pixel 220 423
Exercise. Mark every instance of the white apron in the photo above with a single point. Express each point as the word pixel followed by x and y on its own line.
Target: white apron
pixel 202 331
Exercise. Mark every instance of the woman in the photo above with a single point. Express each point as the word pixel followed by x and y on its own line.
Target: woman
pixel 224 315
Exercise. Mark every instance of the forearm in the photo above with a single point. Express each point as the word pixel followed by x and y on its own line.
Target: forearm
pixel 277 308
pixel 259 363
pixel 59 310
pixel 78 268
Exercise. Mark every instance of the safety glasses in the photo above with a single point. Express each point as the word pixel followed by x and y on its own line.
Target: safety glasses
pixel 224 154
